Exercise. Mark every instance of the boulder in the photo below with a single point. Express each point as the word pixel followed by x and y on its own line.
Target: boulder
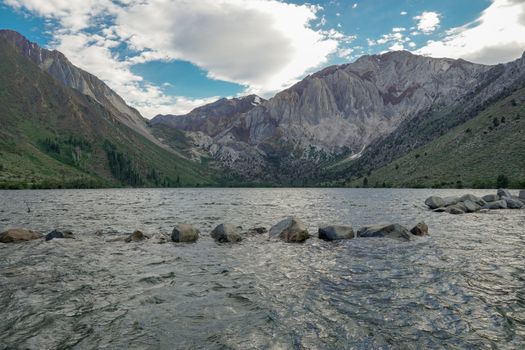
pixel 440 210
pixel 490 198
pixel 18 235
pixel 421 229
pixel 336 232
pixel 470 206
pixel 59 234
pixel 471 197
pixel 184 233
pixel 513 203
pixel 394 231
pixel 136 236
pixel 290 230
pixel 456 209
pixel 519 199
pixel 501 204
pixel 450 201
pixel 504 193
pixel 522 195
pixel 226 233
pixel 435 202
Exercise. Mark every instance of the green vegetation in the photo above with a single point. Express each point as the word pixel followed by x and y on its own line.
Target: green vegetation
pixel 52 136
pixel 486 151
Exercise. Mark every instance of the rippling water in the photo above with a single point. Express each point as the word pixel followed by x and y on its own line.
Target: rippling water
pixel 461 287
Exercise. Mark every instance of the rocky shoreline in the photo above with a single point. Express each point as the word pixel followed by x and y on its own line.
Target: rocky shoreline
pixel 290 230
pixel 469 203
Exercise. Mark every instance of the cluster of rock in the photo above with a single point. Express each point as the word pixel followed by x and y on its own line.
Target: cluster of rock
pixel 469 203
pixel 291 230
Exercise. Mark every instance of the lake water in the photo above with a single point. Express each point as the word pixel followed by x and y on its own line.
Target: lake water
pixel 461 287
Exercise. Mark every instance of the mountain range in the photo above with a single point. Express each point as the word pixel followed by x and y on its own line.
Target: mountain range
pixel 346 125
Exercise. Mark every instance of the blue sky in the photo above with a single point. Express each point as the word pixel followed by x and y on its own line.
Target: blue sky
pixel 171 56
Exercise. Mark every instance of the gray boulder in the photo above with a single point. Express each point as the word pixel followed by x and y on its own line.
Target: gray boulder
pixel 59 234
pixel 456 209
pixel 440 210
pixel 225 233
pixel 136 236
pixel 471 197
pixel 394 231
pixel 522 195
pixel 336 232
pixel 450 201
pixel 490 198
pixel 184 233
pixel 435 202
pixel 290 230
pixel 513 203
pixel 18 235
pixel 501 204
pixel 471 207
pixel 504 193
pixel 421 229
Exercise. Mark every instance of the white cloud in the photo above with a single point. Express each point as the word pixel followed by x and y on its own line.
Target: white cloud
pixel 403 13
pixel 428 21
pixel 265 45
pixel 398 29
pixel 354 5
pixel 497 36
pixel 396 47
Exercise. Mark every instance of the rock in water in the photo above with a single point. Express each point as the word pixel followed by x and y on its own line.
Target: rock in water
pixel 226 233
pixel 18 235
pixel 450 201
pixel 471 206
pixel 290 230
pixel 513 203
pixel 471 197
pixel 394 231
pixel 336 232
pixel 490 198
pixel 59 234
pixel 455 209
pixel 184 233
pixel 421 229
pixel 522 195
pixel 135 237
pixel 504 193
pixel 501 204
pixel 435 202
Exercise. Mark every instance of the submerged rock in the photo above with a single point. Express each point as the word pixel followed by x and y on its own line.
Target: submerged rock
pixel 394 231
pixel 456 209
pixel 160 238
pixel 421 229
pixel 257 231
pixel 59 234
pixel 18 235
pixel 490 198
pixel 504 193
pixel 184 233
pixel 226 233
pixel 435 202
pixel 522 195
pixel 136 236
pixel 501 204
pixel 336 232
pixel 290 230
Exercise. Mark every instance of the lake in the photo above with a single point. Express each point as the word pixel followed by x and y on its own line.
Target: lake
pixel 463 286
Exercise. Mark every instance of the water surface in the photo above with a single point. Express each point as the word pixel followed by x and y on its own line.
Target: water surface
pixel 461 287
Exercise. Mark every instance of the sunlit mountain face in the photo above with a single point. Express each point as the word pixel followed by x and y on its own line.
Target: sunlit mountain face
pixel 168 57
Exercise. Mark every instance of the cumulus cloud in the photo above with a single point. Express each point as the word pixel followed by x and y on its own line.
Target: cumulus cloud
pixel 497 36
pixel 264 45
pixel 428 21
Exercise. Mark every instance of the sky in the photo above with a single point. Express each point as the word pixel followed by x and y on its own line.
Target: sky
pixel 170 56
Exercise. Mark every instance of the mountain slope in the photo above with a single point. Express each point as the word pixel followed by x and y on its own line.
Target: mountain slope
pixel 330 115
pixel 473 154
pixel 55 136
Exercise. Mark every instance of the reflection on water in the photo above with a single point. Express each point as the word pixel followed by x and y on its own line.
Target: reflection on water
pixel 462 287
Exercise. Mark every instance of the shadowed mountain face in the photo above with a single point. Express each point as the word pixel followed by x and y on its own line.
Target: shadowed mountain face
pixel 332 114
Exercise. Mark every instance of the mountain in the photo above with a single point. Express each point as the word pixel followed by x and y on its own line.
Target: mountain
pixel 331 115
pixel 54 135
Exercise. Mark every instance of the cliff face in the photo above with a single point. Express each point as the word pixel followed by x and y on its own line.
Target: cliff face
pixel 336 112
